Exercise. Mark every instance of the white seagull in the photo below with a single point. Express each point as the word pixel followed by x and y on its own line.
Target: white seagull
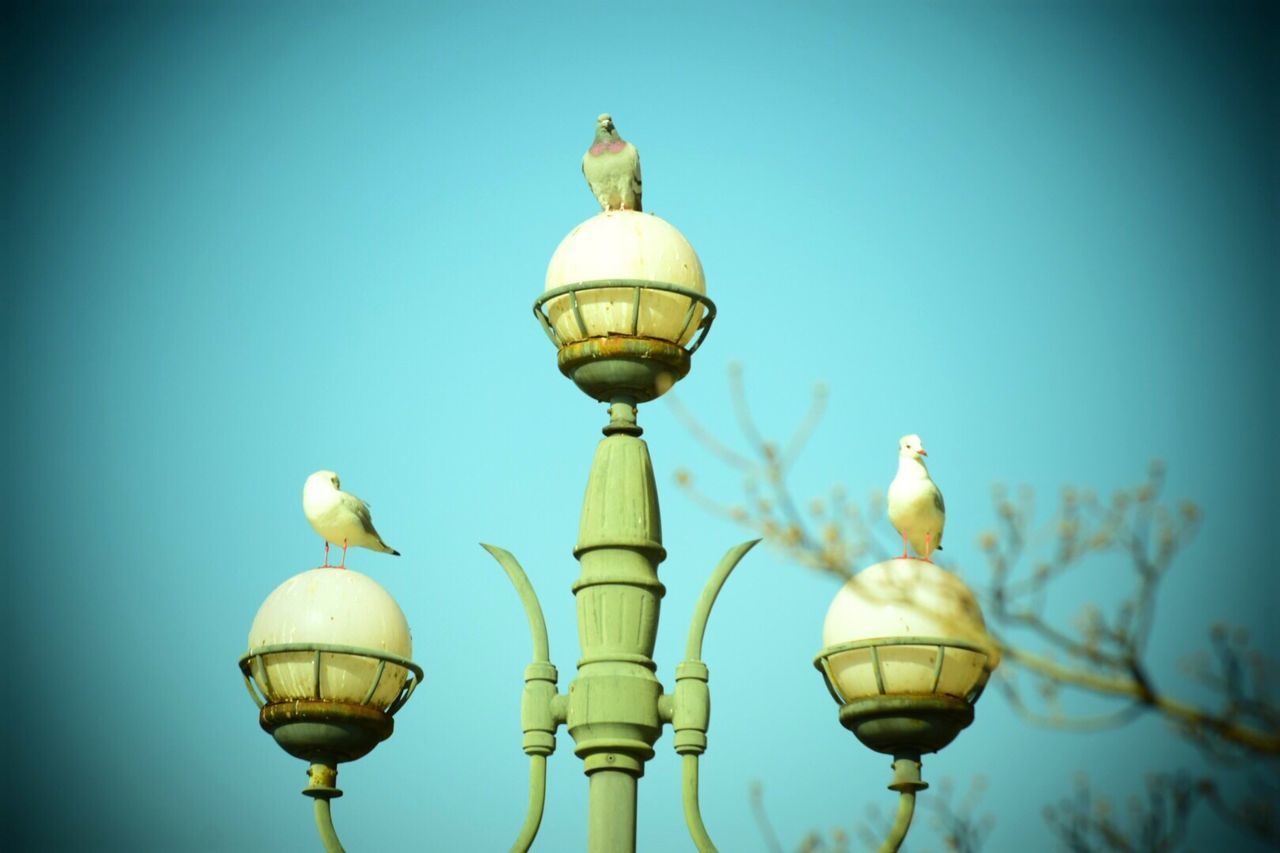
pixel 915 503
pixel 339 517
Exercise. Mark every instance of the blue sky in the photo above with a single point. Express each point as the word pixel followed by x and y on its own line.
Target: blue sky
pixel 243 244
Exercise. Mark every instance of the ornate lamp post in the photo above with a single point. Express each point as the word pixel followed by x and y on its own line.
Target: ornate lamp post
pixel 906 656
pixel 626 309
pixel 625 306
pixel 328 667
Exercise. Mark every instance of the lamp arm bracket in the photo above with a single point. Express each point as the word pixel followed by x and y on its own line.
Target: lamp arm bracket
pixel 701 613
pixel 906 781
pixel 529 598
pixel 542 708
pixel 689 708
pixel 322 787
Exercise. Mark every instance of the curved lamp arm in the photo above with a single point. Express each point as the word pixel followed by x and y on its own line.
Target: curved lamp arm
pixel 537 798
pixel 691 707
pixel 698 627
pixel 692 810
pixel 906 781
pixel 322 788
pixel 324 823
pixel 529 598
pixel 901 822
pixel 541 711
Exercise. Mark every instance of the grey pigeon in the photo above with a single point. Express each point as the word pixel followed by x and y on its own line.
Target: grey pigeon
pixel 612 168
pixel 915 503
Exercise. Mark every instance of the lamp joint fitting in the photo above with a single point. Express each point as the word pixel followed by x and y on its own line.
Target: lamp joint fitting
pixel 691 707
pixel 906 775
pixel 622 419
pixel 541 671
pixel 322 781
pixel 612 761
pixel 537 706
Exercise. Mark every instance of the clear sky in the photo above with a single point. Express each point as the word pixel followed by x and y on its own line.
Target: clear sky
pixel 241 244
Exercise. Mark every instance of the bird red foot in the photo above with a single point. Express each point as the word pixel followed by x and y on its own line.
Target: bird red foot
pixel 343 564
pixel 928 538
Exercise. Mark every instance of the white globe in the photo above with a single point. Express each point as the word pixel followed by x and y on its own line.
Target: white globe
pixel 625 244
pixel 332 606
pixel 907 598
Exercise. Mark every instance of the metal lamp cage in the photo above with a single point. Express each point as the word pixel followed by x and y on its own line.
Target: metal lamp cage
pixel 638 287
pixel 261 691
pixel 823 662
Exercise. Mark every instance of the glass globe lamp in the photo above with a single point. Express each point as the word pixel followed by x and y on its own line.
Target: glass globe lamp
pixel 625 304
pixel 906 654
pixel 328 664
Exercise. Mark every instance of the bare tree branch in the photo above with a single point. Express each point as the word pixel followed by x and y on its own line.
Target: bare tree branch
pixel 1102 653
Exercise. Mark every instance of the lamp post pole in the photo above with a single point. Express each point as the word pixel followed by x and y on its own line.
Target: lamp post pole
pixel 613 713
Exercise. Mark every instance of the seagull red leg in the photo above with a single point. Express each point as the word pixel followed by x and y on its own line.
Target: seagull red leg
pixel 904 547
pixel 326 554
pixel 343 565
pixel 928 547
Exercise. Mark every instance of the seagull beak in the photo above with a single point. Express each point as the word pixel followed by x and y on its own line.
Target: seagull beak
pixel 922 453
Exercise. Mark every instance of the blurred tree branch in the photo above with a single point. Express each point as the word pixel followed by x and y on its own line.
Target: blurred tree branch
pixel 1101 652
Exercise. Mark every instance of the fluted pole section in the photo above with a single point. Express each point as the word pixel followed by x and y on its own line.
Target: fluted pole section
pixel 613 701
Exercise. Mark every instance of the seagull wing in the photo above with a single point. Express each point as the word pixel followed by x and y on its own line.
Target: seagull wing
pixel 360 510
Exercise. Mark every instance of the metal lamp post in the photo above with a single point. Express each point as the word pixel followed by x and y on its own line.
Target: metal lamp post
pixel 328 666
pixel 625 306
pixel 906 657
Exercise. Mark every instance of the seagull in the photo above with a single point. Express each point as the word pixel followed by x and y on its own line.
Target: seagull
pixel 612 168
pixel 339 517
pixel 915 504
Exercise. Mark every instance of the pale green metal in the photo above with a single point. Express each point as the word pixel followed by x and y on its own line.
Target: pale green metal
pixel 691 706
pixel 324 824
pixel 638 286
pixel 624 364
pixel 613 713
pixel 528 598
pixel 903 725
pixel 901 822
pixel 692 809
pixel 537 801
pixel 260 695
pixel 615 707
pixel 542 710
pixel 822 661
pixel 906 781
pixel 702 613
pixel 321 788
pixel 611 811
pixel 320 730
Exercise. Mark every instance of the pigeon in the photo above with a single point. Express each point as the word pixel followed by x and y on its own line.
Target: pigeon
pixel 612 168
pixel 339 517
pixel 915 504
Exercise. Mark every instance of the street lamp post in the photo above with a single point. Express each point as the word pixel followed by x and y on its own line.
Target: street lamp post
pixel 625 306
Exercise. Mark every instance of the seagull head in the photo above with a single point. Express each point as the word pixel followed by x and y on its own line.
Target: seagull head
pixel 911 447
pixel 323 480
